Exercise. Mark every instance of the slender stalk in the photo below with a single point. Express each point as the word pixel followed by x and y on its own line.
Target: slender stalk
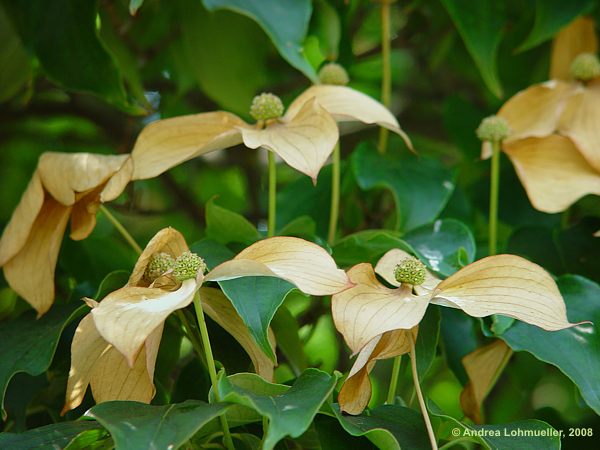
pixel 272 195
pixel 335 195
pixel 212 371
pixel 386 75
pixel 494 184
pixel 413 363
pixel 121 229
pixel 391 397
pixel 191 335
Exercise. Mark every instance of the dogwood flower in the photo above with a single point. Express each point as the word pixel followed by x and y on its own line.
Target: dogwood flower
pixel 304 137
pixel 554 144
pixel 375 320
pixel 123 331
pixel 64 185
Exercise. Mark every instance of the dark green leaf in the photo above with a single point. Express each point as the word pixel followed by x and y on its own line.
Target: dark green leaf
pixel 137 425
pixel 427 340
pixel 551 16
pixel 439 245
pixel 290 413
pixel 367 246
pixel 256 300
pixel 226 226
pixel 63 36
pixel 421 186
pixel 496 437
pixel 50 437
pixel 480 25
pixel 285 21
pixel 459 338
pixel 212 252
pixel 92 440
pixel 16 70
pixel 28 344
pixel 575 351
pixel 389 427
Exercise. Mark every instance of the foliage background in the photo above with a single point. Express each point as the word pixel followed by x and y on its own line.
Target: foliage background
pixel 87 76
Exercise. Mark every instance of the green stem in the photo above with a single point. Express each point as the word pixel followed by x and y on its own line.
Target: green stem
pixel 191 334
pixel 121 229
pixel 386 76
pixel 212 371
pixel 391 397
pixel 415 374
pixel 335 195
pixel 272 195
pixel 494 184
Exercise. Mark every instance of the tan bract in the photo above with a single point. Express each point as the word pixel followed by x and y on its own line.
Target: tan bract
pixel 126 320
pixel 367 312
pixel 304 137
pixel 555 171
pixel 64 185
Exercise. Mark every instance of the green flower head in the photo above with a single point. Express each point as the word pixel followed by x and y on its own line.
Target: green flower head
pixel 410 271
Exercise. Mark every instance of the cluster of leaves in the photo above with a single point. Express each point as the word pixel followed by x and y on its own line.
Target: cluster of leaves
pixel 87 76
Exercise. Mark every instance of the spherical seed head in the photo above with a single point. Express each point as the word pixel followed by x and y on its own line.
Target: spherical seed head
pixel 585 67
pixel 187 266
pixel 266 106
pixel 158 265
pixel 333 73
pixel 410 271
pixel 493 128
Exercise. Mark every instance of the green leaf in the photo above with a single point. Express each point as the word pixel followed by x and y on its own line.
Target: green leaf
pixel 256 300
pixel 64 37
pixel 212 252
pixel 28 344
pixel 220 46
pixel 389 427
pixel 284 21
pixel 226 226
pixel 575 351
pixel 16 69
pixel 137 425
pixel 290 413
pixel 421 186
pixel 427 341
pixel 480 25
pixel 50 437
pixel 328 29
pixel 550 17
pixel 300 227
pixel 92 440
pixel 500 436
pixel 367 246
pixel 286 330
pixel 459 335
pixel 439 245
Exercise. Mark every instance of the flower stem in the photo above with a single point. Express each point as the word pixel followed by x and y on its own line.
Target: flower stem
pixel 391 397
pixel 212 371
pixel 413 363
pixel 494 184
pixel 272 195
pixel 335 195
pixel 121 229
pixel 386 75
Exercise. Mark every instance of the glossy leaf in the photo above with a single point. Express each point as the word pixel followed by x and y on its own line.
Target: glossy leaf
pixel 50 437
pixel 284 21
pixel 550 17
pixel 575 351
pixel 480 25
pixel 290 413
pixel 421 186
pixel 28 345
pixel 256 300
pixel 136 425
pixel 499 436
pixel 445 246
pixel 388 427
pixel 367 246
